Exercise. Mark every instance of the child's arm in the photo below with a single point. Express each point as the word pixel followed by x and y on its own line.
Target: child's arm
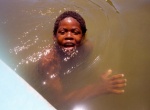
pixel 107 84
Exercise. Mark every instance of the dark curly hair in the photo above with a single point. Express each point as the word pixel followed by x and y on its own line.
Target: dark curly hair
pixel 72 14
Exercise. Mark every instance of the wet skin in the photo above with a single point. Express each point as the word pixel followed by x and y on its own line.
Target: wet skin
pixel 69 34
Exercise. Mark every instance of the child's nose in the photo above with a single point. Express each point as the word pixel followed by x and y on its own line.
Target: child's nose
pixel 69 36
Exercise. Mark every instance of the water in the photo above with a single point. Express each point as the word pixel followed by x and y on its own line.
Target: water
pixel 119 31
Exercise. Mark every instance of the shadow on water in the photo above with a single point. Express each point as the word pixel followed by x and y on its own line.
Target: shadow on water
pixel 119 31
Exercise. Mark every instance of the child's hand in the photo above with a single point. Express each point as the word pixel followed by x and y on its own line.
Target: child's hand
pixel 113 84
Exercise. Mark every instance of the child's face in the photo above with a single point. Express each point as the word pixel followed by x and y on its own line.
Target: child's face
pixel 69 34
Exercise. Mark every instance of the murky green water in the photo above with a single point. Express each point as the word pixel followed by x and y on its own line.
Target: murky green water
pixel 118 29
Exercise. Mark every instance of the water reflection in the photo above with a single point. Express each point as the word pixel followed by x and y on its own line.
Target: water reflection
pixel 80 107
pixel 118 29
pixel 30 38
pixel 34 34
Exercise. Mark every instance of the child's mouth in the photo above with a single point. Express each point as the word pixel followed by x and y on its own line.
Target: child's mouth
pixel 69 46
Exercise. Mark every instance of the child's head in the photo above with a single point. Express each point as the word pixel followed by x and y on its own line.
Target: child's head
pixel 69 31
pixel 72 14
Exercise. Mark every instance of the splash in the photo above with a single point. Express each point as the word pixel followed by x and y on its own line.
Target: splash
pixel 69 53
pixel 35 57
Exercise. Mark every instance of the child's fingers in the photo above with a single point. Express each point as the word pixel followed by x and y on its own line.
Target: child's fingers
pixel 117 76
pixel 118 91
pixel 119 81
pixel 117 86
pixel 105 75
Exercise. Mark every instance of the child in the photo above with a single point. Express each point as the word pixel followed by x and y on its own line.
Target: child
pixel 70 50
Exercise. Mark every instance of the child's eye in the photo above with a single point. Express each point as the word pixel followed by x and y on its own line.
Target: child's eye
pixel 76 32
pixel 61 32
